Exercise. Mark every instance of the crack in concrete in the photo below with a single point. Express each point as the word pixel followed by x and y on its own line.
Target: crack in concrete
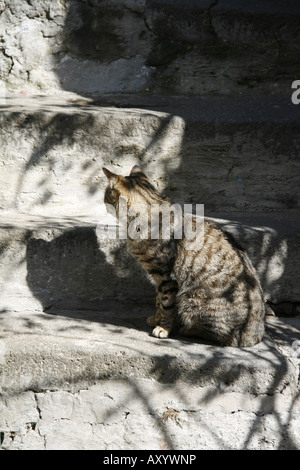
pixel 8 57
pixel 164 419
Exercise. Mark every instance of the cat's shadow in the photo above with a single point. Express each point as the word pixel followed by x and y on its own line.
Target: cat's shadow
pixel 71 278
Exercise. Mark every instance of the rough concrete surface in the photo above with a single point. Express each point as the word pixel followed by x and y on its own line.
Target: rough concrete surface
pixel 90 381
pixel 144 415
pixel 214 152
pixel 199 94
pixel 218 152
pixel 70 262
pixel 167 47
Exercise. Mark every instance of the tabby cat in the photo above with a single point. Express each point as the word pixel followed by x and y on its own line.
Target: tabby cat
pixel 212 291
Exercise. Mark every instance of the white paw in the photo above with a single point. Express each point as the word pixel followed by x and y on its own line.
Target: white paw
pixel 160 332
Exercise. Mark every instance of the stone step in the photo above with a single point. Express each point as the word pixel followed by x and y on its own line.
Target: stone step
pixel 80 380
pixel 73 349
pixel 76 356
pixel 49 264
pixel 165 47
pixel 229 154
pixel 238 157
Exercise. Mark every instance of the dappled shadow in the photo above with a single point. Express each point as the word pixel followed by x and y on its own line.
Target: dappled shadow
pixel 209 161
pixel 270 242
pixel 198 400
pixel 75 276
pixel 61 148
pixel 71 270
pixel 52 136
pixel 58 130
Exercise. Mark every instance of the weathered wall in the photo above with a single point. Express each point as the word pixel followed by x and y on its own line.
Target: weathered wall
pixel 205 92
pixel 172 47
pixel 240 154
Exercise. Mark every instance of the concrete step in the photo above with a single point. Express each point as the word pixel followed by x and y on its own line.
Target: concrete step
pixel 78 366
pixel 218 152
pixel 72 349
pixel 87 365
pixel 68 381
pixel 165 47
pixel 117 415
pixel 48 263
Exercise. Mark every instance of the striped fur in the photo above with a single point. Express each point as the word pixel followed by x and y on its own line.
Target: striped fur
pixel 212 290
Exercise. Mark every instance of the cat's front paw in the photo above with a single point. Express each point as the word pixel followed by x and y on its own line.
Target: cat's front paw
pixel 160 332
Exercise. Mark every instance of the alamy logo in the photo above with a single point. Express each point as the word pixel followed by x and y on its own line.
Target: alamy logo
pixel 296 95
pixel 156 221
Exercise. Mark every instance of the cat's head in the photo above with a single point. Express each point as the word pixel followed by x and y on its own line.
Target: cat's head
pixel 135 188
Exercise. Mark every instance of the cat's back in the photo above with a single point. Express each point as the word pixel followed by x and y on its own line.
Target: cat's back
pixel 219 291
pixel 214 253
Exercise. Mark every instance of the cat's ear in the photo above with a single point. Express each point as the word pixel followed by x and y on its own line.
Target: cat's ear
pixel 135 170
pixel 112 177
